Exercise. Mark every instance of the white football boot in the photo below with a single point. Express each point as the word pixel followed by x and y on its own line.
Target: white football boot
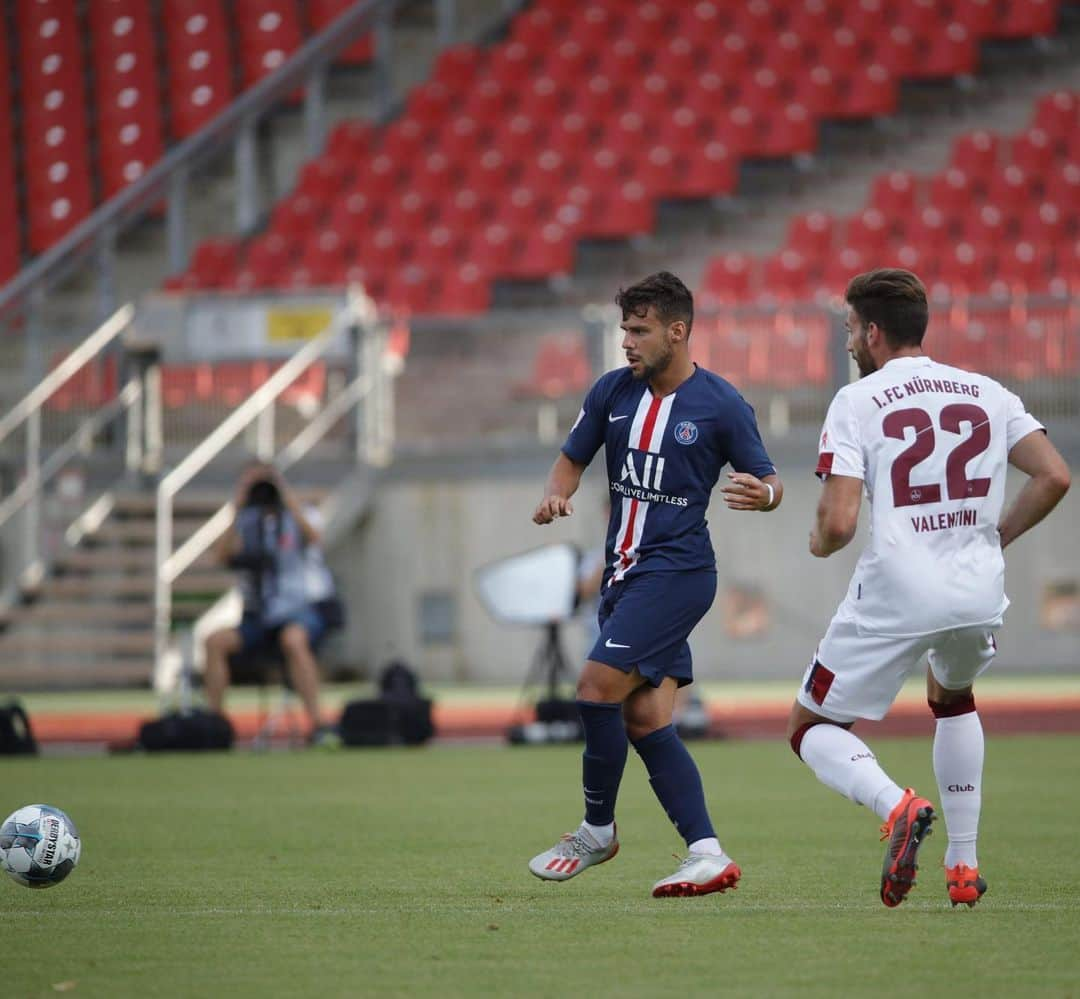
pixel 571 855
pixel 699 874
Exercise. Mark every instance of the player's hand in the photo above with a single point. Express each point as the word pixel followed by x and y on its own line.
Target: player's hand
pixel 551 508
pixel 745 492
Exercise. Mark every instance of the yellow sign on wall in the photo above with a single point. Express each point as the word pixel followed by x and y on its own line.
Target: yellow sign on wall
pixel 296 324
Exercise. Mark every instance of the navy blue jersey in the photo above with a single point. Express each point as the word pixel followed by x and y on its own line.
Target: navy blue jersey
pixel 663 459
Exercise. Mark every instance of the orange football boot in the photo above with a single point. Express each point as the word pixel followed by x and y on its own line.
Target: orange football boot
pixel 964 884
pixel 905 829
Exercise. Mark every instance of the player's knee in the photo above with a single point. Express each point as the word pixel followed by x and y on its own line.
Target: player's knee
pixel 293 639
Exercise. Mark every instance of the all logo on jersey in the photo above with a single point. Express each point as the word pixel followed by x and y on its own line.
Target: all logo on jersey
pixel 686 432
pixel 651 475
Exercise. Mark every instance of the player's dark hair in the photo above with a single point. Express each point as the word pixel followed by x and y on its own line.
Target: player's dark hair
pixel 665 293
pixel 894 299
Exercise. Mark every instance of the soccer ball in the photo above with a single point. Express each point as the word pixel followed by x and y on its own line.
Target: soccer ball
pixel 39 846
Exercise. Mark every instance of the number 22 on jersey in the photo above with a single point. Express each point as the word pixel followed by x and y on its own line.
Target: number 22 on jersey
pixel 951 421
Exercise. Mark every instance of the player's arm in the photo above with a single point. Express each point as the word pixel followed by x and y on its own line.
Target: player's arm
pixel 562 482
pixel 748 492
pixel 1049 481
pixel 837 515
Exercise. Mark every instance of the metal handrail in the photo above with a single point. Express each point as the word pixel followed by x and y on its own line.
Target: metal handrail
pixel 50 267
pixel 66 369
pixel 359 313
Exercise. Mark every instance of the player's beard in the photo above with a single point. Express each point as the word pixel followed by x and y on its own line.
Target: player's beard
pixel 861 352
pixel 658 366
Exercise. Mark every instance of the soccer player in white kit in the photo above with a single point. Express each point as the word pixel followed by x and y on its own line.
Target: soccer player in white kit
pixel 930 445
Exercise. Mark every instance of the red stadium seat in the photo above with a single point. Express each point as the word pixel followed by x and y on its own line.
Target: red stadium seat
pixel 788 277
pixel 729 279
pixel 964 270
pixel 928 227
pixel 268 32
pixel 599 98
pixel 560 368
pixel 952 193
pixel 977 154
pixel 1033 151
pixel 546 251
pixel 508 65
pixel 1062 187
pixel 593 24
pixel 540 28
pixel 819 89
pixel 186 385
pixel 457 66
pixel 789 131
pixel 714 171
pixel 351 140
pixel 987 227
pixel 1058 114
pixel 430 102
pixel 1046 224
pixel 197 50
pixel 466 210
pixel 868 232
pixel 978 16
pixel 547 173
pixel 811 234
pixel 953 51
pixel 840 268
pixel 322 13
pixel 898 51
pixel 1023 267
pixel 865 92
pixel 408 138
pixel 1012 189
pixel 1025 18
pixel 465 291
pixel 521 134
pixel 620 211
pixel 895 194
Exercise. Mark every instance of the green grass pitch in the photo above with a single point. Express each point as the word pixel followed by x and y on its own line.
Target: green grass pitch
pixel 402 873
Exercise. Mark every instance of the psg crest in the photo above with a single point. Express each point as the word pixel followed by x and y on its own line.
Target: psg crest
pixel 686 432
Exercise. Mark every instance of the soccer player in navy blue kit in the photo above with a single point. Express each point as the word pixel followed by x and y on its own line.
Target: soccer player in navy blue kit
pixel 668 427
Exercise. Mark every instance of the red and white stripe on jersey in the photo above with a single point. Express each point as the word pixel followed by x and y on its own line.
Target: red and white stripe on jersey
pixel 646 434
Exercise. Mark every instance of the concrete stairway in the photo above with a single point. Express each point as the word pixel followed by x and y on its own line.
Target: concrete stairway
pixel 91 620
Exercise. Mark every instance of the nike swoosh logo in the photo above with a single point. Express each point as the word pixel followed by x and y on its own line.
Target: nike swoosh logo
pixel 609 644
pixel 615 419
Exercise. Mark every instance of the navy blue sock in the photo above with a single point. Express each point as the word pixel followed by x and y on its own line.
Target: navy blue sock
pixel 676 782
pixel 603 760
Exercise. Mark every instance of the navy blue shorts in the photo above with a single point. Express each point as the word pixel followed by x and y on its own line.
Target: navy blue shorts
pixel 645 621
pixel 254 634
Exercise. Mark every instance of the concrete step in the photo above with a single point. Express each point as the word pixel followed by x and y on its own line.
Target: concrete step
pixel 102 615
pixel 203 581
pixel 102 561
pixel 38 674
pixel 142 531
pixel 54 643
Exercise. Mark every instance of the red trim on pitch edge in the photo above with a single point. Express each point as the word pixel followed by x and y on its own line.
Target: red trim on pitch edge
pixel 727 878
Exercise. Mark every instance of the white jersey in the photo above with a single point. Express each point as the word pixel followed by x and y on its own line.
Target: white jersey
pixel 931 444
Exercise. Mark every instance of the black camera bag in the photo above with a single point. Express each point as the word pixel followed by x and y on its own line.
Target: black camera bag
pixel 16 737
pixel 195 730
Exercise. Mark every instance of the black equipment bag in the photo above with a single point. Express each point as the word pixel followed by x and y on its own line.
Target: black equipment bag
pixel 16 737
pixel 194 730
pixel 398 716
pixel 387 721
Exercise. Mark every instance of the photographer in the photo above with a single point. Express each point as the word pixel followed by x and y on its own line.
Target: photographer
pixel 286 587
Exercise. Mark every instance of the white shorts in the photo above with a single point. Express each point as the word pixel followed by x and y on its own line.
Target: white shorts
pixel 855 675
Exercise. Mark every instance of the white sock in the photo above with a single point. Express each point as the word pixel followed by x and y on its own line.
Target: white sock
pixel 709 845
pixel 844 762
pixel 958 766
pixel 601 835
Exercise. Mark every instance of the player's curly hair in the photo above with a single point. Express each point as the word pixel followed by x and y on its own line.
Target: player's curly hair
pixel 665 293
pixel 895 300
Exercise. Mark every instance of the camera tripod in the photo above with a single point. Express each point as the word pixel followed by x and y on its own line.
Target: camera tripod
pixel 556 717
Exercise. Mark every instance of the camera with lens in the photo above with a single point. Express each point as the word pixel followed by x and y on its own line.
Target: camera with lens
pixel 264 494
